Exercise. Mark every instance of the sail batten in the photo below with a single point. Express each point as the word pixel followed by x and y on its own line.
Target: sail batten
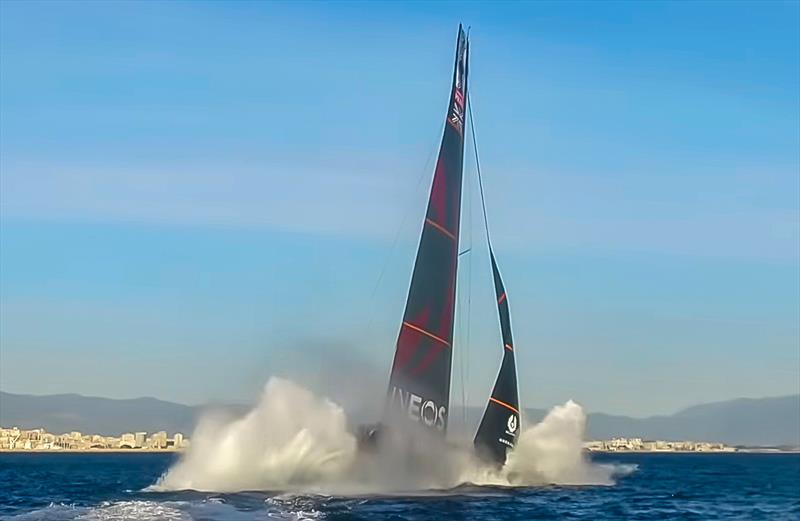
pixel 419 383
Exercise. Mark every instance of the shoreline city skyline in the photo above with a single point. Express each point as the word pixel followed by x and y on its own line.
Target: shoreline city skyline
pixel 16 440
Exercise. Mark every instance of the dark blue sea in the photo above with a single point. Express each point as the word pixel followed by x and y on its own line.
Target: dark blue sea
pixel 663 486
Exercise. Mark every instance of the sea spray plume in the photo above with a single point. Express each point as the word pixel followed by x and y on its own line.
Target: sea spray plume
pixel 295 441
pixel 336 370
pixel 409 457
pixel 290 439
pixel 552 452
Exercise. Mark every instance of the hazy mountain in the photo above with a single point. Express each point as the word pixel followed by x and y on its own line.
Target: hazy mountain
pixel 72 412
pixel 744 421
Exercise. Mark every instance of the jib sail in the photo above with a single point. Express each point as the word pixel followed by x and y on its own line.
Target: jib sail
pixel 419 385
pixel 500 425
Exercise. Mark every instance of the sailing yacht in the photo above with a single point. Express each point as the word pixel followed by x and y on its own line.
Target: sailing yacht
pixel 418 395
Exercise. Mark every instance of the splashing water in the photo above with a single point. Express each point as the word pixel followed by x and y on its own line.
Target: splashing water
pixel 552 452
pixel 293 440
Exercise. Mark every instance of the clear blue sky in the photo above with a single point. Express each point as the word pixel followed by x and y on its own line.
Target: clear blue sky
pixel 198 195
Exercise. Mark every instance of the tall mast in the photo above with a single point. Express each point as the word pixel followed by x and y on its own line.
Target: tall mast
pixel 419 384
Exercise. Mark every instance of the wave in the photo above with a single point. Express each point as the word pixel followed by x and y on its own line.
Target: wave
pixel 145 510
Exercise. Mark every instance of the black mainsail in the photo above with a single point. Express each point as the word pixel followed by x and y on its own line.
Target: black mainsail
pixel 497 432
pixel 419 385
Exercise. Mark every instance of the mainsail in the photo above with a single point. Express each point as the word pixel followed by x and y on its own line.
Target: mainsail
pixel 419 385
pixel 500 425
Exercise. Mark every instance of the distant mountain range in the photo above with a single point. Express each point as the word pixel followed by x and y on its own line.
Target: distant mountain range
pixel 59 413
pixel 744 421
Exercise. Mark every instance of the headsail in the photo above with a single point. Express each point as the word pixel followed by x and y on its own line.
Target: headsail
pixel 419 385
pixel 500 425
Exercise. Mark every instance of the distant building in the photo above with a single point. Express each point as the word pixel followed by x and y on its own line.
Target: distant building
pixel 39 439
pixel 639 445
pixel 158 440
pixel 127 440
pixel 9 437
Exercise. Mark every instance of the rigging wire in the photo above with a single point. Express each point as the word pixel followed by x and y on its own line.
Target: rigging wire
pixel 478 166
pixel 464 325
pixel 467 344
pixel 483 198
pixel 466 355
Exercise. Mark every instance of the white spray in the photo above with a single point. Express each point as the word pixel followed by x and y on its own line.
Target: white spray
pixel 290 439
pixel 294 440
pixel 552 452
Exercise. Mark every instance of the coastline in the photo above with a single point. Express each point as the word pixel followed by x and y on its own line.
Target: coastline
pixel 179 451
pixel 737 451
pixel 84 451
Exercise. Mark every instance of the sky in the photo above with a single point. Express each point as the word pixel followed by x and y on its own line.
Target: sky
pixel 196 196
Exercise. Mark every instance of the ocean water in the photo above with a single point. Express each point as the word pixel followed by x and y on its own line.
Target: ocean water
pixel 662 486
